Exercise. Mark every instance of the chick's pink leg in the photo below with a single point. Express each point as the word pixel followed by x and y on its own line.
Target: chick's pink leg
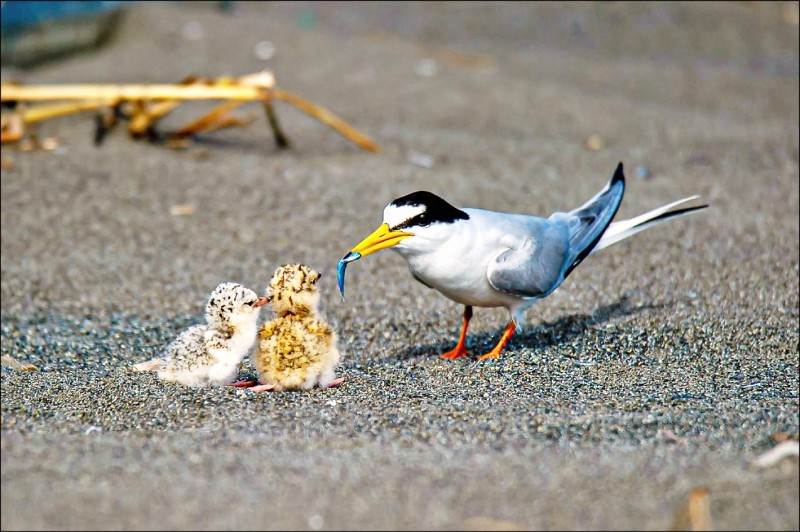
pixel 335 382
pixel 242 384
pixel 262 388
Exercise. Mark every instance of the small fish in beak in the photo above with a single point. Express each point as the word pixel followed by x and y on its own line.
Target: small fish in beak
pixel 340 269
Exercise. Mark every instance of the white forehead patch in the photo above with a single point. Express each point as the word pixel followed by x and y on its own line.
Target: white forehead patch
pixel 394 215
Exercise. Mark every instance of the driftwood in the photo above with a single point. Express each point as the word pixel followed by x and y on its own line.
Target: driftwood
pixel 143 105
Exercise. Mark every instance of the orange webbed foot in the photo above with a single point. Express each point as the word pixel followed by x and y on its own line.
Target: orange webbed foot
pixel 495 353
pixel 458 352
pixel 490 355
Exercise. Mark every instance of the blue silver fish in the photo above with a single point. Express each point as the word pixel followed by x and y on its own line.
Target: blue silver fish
pixel 340 269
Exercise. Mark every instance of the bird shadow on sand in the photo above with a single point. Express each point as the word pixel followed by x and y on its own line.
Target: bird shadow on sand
pixel 541 336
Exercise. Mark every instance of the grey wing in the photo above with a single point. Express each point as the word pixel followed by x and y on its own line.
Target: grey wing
pixel 535 267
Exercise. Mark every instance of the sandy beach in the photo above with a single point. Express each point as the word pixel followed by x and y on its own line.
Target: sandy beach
pixel 665 364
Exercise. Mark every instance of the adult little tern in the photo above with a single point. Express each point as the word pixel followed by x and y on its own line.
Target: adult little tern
pixel 482 258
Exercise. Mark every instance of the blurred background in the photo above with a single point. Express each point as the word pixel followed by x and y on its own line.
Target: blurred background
pixel 35 32
pixel 413 47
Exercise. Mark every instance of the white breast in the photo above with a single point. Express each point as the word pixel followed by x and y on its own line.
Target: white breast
pixel 454 258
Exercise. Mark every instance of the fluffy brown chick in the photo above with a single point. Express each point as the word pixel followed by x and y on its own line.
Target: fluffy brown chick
pixel 297 349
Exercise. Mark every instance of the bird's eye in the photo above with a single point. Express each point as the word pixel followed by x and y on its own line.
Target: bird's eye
pixel 269 299
pixel 251 303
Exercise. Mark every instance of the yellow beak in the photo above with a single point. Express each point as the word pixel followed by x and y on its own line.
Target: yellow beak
pixel 381 238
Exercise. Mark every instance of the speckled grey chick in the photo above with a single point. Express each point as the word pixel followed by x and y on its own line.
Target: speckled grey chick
pixel 210 354
pixel 297 349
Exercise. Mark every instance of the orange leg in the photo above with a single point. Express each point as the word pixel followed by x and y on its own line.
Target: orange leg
pixel 460 350
pixel 495 353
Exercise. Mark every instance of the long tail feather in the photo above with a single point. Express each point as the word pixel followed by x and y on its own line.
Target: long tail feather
pixel 624 228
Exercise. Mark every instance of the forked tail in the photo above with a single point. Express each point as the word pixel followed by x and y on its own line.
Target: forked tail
pixel 624 228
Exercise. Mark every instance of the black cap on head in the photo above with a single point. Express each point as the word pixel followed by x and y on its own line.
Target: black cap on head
pixel 436 210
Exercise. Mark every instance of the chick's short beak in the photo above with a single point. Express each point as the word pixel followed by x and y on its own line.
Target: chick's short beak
pixel 381 238
pixel 261 302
